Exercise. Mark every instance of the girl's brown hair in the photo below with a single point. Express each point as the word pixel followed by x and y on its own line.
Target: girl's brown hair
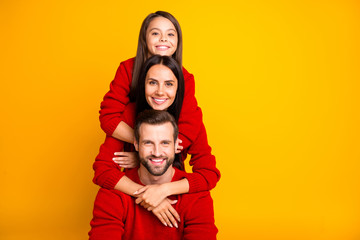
pixel 143 52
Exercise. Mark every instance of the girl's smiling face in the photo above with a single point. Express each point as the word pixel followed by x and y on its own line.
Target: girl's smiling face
pixel 160 87
pixel 161 37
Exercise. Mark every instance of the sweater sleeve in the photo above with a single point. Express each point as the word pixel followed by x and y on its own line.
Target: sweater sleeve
pixel 107 172
pixel 199 219
pixel 205 174
pixel 116 98
pixel 190 116
pixel 109 216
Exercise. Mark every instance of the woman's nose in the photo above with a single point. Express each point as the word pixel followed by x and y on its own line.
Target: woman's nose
pixel 160 90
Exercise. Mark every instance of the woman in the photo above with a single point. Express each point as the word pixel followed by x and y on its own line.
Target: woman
pixel 161 78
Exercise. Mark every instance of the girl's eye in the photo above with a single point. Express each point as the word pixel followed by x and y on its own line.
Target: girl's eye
pixel 171 34
pixel 154 33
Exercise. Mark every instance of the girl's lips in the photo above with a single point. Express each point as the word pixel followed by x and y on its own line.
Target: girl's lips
pixel 159 101
pixel 162 47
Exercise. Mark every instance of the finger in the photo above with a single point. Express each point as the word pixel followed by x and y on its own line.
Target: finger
pixel 120 158
pixel 174 213
pixel 125 166
pixel 120 153
pixel 165 217
pixel 138 200
pixel 158 215
pixel 141 190
pixel 171 218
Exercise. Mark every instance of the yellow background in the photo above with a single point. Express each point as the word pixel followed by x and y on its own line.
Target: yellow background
pixel 278 83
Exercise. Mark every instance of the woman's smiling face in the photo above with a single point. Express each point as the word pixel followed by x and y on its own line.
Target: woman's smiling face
pixel 161 37
pixel 160 87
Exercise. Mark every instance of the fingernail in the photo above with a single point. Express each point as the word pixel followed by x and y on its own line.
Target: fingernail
pixel 176 225
pixel 136 192
pixel 165 224
pixel 171 225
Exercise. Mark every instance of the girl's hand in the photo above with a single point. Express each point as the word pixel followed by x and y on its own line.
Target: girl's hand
pixel 178 148
pixel 126 159
pixel 166 213
pixel 150 196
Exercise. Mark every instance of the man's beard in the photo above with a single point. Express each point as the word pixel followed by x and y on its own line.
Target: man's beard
pixel 156 170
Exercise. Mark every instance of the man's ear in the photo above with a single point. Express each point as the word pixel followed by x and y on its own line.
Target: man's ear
pixel 177 142
pixel 136 145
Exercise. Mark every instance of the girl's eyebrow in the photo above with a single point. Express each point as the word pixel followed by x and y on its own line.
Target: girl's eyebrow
pixel 155 28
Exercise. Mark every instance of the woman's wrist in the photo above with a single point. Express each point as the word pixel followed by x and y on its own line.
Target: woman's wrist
pixel 167 189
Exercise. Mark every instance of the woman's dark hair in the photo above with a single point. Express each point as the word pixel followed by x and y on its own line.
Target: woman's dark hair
pixel 143 52
pixel 175 107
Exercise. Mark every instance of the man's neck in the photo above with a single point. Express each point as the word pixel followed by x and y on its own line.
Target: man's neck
pixel 146 178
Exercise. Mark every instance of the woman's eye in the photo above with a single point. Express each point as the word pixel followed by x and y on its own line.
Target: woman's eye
pixel 152 82
pixel 169 84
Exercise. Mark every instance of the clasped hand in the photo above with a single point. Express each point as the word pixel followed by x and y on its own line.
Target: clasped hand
pixel 154 198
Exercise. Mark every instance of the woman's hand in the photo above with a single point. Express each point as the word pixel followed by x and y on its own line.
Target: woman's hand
pixel 178 148
pixel 166 213
pixel 150 196
pixel 126 159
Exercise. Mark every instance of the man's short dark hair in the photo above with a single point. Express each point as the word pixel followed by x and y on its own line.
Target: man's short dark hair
pixel 155 117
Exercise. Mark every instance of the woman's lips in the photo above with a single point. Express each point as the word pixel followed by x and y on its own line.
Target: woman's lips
pixel 159 101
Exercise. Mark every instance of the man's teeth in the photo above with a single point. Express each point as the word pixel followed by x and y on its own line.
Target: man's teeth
pixel 158 160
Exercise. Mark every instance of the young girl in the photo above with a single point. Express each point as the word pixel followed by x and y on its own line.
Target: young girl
pixel 160 34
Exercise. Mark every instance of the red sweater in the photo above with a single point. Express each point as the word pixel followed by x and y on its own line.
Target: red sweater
pixel 113 105
pixel 116 216
pixel 205 174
